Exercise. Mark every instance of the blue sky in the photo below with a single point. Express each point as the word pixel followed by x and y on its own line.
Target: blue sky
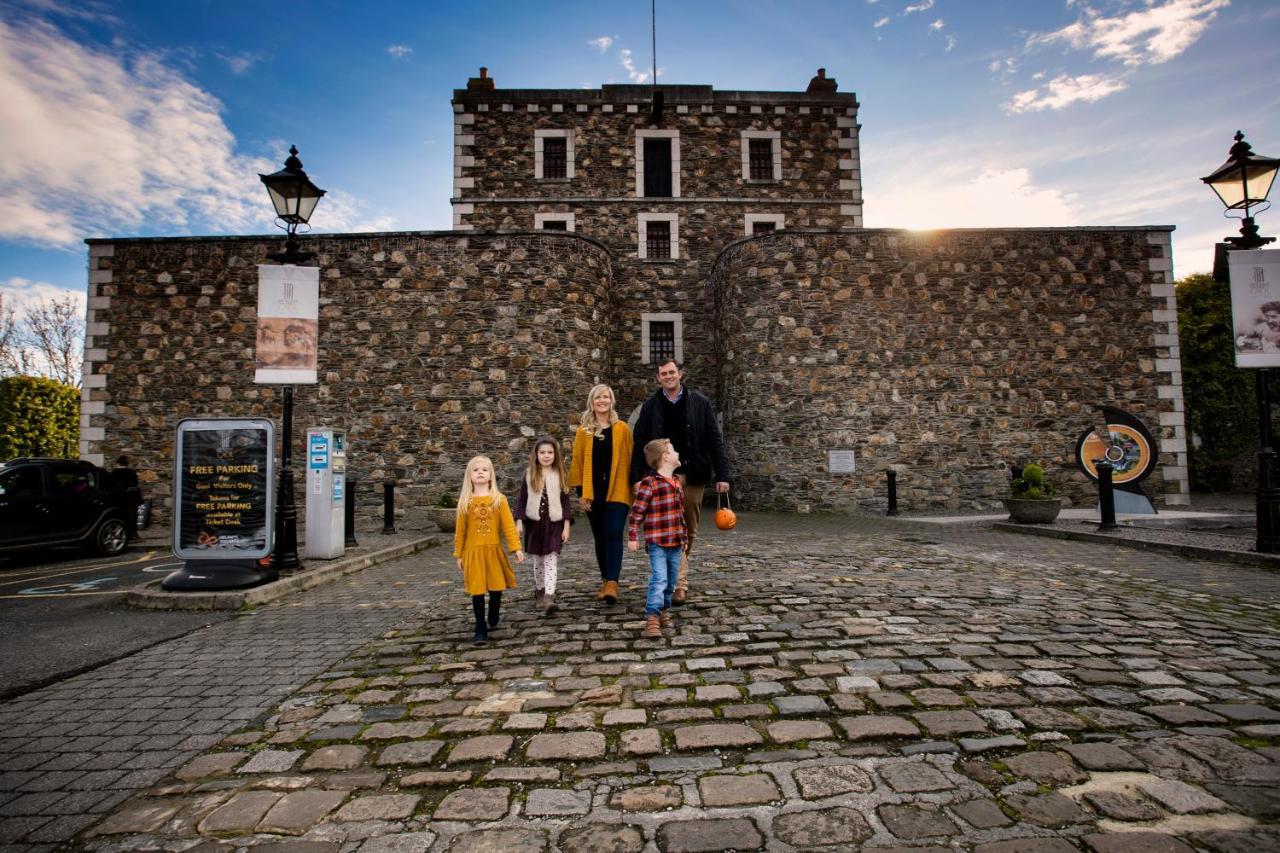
pixel 154 118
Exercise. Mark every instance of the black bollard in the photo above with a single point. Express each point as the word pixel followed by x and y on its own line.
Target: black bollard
pixel 349 523
pixel 893 491
pixel 388 507
pixel 1106 495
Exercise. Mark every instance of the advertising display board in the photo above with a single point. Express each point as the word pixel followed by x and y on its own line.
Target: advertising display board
pixel 225 493
pixel 288 325
pixel 1255 306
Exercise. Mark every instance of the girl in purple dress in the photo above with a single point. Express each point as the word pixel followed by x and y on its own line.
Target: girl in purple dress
pixel 542 518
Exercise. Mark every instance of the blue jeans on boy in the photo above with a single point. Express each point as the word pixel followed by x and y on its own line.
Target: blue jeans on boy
pixel 664 570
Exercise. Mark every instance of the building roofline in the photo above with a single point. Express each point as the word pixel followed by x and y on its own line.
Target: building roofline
pixel 349 235
pixel 626 93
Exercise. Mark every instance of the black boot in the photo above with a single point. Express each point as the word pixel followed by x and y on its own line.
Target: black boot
pixel 482 633
pixel 495 605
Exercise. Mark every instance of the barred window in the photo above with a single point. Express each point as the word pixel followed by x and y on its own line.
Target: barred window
pixel 761 159
pixel 555 157
pixel 763 227
pixel 658 240
pixel 662 341
pixel 555 225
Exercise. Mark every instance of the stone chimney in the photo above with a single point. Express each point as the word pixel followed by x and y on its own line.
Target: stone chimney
pixel 820 85
pixel 484 81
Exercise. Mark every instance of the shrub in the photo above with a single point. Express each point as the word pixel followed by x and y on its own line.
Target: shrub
pixel 38 417
pixel 1031 486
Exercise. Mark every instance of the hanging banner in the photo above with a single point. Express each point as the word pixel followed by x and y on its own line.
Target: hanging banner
pixel 1255 306
pixel 224 483
pixel 288 325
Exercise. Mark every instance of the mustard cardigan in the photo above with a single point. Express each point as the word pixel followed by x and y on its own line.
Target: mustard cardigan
pixel 580 467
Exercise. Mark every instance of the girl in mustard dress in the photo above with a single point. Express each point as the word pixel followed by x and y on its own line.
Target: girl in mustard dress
pixel 483 513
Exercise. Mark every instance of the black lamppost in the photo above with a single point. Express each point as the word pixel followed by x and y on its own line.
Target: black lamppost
pixel 1242 182
pixel 295 199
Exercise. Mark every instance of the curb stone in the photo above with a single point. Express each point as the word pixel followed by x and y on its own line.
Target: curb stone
pixel 1195 552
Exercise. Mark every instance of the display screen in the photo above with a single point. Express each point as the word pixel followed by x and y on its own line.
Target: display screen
pixel 224 488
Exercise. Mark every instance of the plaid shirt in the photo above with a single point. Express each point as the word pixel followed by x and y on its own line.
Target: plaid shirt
pixel 659 505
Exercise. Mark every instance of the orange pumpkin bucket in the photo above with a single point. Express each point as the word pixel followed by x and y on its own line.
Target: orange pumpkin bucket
pixel 726 519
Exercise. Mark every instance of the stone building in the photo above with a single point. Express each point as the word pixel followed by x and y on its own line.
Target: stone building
pixel 596 231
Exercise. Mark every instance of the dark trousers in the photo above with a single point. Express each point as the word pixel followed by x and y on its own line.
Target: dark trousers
pixel 608 521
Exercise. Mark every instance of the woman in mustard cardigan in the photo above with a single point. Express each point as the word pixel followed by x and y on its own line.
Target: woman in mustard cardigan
pixel 601 460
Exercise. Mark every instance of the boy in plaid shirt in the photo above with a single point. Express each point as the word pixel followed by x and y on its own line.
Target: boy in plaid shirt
pixel 659 506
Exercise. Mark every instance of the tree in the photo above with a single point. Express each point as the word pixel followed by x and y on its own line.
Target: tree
pixel 1221 410
pixel 38 417
pixel 48 341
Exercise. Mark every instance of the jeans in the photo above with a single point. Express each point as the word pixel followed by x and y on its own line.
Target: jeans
pixel 664 568
pixel 608 521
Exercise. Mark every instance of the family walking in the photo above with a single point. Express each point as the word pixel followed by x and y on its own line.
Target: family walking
pixel 650 483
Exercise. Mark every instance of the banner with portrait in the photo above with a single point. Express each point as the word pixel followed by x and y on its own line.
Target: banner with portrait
pixel 1255 306
pixel 288 325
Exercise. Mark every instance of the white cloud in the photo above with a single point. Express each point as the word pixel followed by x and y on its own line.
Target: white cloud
pixel 1152 35
pixel 924 6
pixel 241 62
pixel 994 199
pixel 951 43
pixel 880 22
pixel 602 44
pixel 399 51
pixel 21 293
pixel 100 142
pixel 1063 91
pixel 937 25
pixel 624 57
pixel 1004 67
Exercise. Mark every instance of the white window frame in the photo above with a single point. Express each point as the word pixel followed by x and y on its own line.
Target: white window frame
pixel 775 136
pixel 642 249
pixel 677 322
pixel 750 220
pixel 538 137
pixel 674 136
pixel 567 218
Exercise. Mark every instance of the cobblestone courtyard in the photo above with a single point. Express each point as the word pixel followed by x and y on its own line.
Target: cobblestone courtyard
pixel 833 684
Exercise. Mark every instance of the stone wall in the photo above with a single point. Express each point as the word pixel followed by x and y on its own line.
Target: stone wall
pixel 947 356
pixel 433 347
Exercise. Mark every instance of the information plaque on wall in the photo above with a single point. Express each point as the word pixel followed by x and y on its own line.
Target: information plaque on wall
pixel 841 461
pixel 225 490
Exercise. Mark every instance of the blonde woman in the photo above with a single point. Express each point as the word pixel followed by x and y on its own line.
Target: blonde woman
pixel 601 459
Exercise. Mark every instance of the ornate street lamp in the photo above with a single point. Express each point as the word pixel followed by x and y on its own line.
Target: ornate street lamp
pixel 294 198
pixel 1241 183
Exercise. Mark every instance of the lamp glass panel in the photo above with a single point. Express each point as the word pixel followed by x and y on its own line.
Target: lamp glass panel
pixel 1260 177
pixel 307 205
pixel 278 200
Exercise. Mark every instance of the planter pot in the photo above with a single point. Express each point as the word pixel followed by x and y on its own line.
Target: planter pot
pixel 446 518
pixel 1033 511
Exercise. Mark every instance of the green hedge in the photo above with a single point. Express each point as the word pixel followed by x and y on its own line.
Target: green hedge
pixel 1220 399
pixel 38 417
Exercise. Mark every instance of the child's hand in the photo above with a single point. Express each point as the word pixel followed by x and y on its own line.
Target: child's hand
pixel 585 503
pixel 564 536
pixel 632 545
pixel 519 556
pixel 459 564
pixel 519 528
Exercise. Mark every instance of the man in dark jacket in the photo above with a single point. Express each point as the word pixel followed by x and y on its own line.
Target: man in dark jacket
pixel 686 418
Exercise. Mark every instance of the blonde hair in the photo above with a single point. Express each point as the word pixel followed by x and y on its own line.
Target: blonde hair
pixel 653 451
pixel 534 474
pixel 464 496
pixel 588 421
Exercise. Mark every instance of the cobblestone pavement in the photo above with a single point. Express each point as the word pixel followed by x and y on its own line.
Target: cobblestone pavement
pixel 837 683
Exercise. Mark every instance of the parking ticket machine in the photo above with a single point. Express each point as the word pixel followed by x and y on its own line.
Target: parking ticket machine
pixel 326 492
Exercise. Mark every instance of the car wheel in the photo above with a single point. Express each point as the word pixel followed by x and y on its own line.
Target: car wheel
pixel 111 537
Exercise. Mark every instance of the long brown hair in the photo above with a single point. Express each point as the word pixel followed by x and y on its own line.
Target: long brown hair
pixel 534 474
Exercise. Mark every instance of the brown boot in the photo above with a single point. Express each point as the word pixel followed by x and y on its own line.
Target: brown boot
pixel 604 585
pixel 665 620
pixel 610 592
pixel 549 602
pixel 678 597
pixel 651 627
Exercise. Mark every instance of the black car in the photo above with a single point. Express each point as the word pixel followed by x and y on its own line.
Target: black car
pixel 48 502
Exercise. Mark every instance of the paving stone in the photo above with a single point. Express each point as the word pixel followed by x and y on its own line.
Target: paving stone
pixel 683 763
pixel 481 748
pixel 912 822
pixel 272 761
pixel 601 838
pixel 640 742
pixel 817 783
pixel 543 802
pixel 841 828
pixel 738 790
pixel 625 717
pixel 856 684
pixel 694 836
pixel 1121 806
pixel 500 841
pixel 400 842
pixel 1181 798
pixel 241 813
pixel 1257 800
pixel 981 814
pixel 948 723
pixel 789 731
pixel 667 696
pixel 435 779
pixel 648 798
pixel 297 812
pixel 213 764
pixel 910 777
pixel 937 697
pixel 1047 768
pixel 1244 712
pixel 1028 845
pixel 565 747
pixel 412 753
pixel 379 807
pixel 1052 809
pixel 474 804
pixel 873 726
pixel 716 735
pixel 1136 842
pixel 1250 840
pixel 765 689
pixel 748 711
pixel 396 731
pixel 142 817
pixel 800 706
pixel 1183 715
pixel 525 722
pixel 338 757
pixel 1049 718
pixel 1102 756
